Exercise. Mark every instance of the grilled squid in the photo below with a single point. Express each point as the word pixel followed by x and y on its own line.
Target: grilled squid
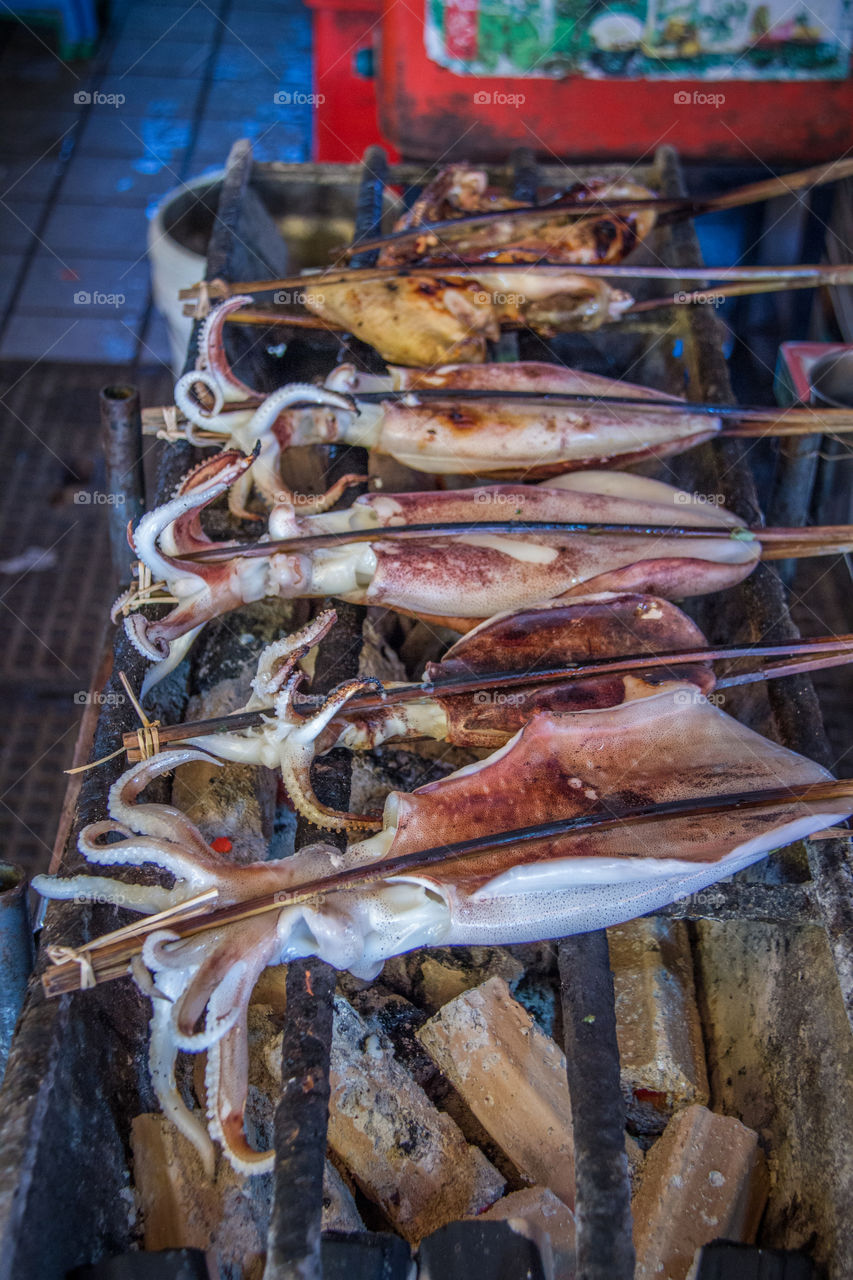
pixel 490 436
pixel 427 320
pixel 649 751
pixel 460 190
pixel 529 641
pixel 455 580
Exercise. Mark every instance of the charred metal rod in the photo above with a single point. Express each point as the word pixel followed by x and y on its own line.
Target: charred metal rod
pixel 605 1248
pixel 798 657
pixel 121 434
pixel 110 955
pixel 776 543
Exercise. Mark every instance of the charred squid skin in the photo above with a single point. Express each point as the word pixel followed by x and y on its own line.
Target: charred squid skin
pixel 561 633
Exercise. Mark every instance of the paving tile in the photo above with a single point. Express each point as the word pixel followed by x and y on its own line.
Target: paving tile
pixel 253 95
pixel 18 220
pixel 102 287
pixel 25 179
pixel 148 139
pixel 62 338
pixel 93 231
pixel 159 57
pixel 145 95
pixel 269 141
pixel 241 63
pixel 194 21
pixel 33 133
pixel 257 29
pixel 113 181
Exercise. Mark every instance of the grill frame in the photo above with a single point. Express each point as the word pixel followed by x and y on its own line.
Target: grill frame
pixel 79 1061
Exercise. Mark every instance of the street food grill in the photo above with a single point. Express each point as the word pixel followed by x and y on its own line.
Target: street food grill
pixel 613 784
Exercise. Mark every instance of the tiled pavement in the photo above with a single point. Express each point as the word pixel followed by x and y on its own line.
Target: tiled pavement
pixel 87 150
pixel 79 177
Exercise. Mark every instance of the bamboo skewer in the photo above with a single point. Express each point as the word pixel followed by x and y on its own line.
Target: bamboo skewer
pixel 798 658
pixel 109 956
pixel 220 289
pixel 672 208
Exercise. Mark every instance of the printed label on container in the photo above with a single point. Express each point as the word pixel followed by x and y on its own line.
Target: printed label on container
pixel 642 39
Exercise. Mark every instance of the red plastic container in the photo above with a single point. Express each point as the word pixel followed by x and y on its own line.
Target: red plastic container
pixel 345 35
pixel 428 111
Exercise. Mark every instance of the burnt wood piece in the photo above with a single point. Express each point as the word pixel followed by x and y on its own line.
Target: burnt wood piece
pixel 487 1250
pixel 365 1255
pixel 605 1249
pixel 163 1264
pixel 302 1114
pixel 727 1260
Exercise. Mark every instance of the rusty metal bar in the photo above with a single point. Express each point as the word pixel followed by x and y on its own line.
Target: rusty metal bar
pixel 301 1118
pixel 121 435
pixel 605 1249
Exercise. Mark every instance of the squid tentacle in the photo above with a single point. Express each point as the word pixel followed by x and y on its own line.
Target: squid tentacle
pixel 268 428
pixel 278 659
pixel 163 1052
pixel 296 753
pixel 211 347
